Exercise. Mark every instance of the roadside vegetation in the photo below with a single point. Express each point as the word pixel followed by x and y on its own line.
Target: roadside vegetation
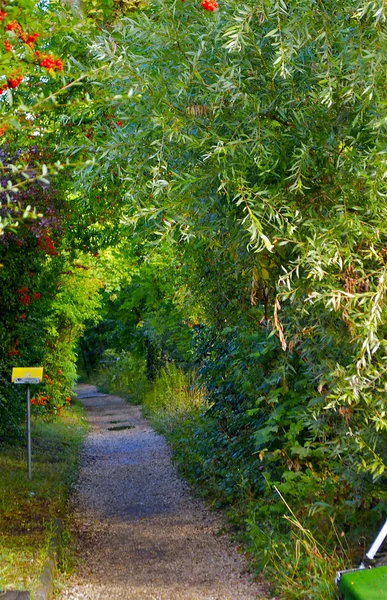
pixel 299 551
pixel 28 508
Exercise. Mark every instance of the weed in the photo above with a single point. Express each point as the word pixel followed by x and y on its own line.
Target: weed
pixel 173 398
pixel 124 376
pixel 300 566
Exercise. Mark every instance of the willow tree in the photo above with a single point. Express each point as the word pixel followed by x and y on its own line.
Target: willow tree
pixel 267 120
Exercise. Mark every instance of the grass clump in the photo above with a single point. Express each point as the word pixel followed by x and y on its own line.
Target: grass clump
pixel 291 556
pixel 123 375
pixel 27 508
pixel 172 399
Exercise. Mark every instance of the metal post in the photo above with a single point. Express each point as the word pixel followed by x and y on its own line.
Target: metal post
pixel 29 453
pixel 378 542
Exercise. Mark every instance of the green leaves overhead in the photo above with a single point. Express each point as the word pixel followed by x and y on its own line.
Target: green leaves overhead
pixel 258 132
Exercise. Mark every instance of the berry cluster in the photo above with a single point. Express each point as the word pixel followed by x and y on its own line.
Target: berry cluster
pixel 40 400
pixel 209 5
pixel 110 117
pixel 13 81
pixel 30 38
pixel 14 351
pixel 48 62
pixel 14 26
pixel 46 244
pixel 45 61
pixel 24 297
pixel 27 38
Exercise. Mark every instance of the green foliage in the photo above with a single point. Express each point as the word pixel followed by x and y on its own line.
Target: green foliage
pixel 236 161
pixel 254 137
pixel 42 308
pixel 123 375
pixel 256 127
pixel 44 305
pixel 106 10
pixel 173 397
pixel 143 309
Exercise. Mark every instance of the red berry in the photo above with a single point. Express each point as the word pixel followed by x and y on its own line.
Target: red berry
pixel 14 26
pixel 209 5
pixel 13 82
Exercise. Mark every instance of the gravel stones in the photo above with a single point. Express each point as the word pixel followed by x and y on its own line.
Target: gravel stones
pixel 139 534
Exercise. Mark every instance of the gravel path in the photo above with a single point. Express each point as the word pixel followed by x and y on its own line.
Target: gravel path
pixel 139 534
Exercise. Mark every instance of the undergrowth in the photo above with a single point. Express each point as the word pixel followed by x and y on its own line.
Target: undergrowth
pixel 123 375
pixel 299 561
pixel 28 508
pixel 298 530
pixel 172 399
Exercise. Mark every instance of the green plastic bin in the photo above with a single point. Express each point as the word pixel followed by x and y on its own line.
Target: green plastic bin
pixel 366 584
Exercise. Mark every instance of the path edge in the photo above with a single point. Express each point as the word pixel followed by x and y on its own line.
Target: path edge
pixel 44 590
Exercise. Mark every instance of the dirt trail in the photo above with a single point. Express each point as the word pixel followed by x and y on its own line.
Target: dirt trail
pixel 139 534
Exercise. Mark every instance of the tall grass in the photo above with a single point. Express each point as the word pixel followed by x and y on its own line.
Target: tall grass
pixel 290 555
pixel 123 375
pixel 173 397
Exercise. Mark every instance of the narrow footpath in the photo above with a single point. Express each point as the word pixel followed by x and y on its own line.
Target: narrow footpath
pixel 139 534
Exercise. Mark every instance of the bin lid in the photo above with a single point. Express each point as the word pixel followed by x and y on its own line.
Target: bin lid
pixel 365 584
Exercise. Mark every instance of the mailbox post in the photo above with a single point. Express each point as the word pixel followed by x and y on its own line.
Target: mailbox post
pixel 28 376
